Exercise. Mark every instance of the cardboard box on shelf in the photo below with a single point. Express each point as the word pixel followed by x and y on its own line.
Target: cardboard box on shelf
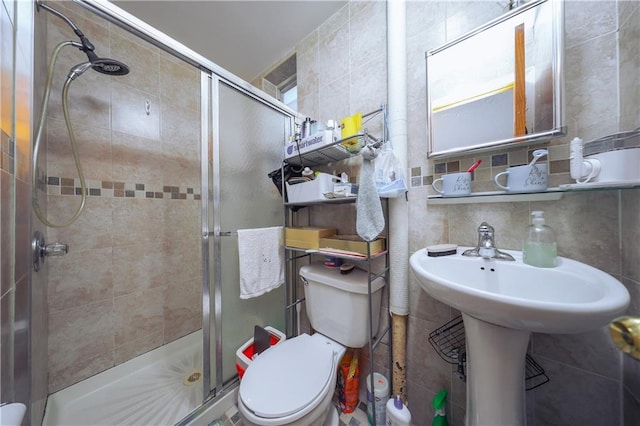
pixel 352 243
pixel 306 237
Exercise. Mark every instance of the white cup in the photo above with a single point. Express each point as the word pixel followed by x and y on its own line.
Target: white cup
pixel 454 184
pixel 524 178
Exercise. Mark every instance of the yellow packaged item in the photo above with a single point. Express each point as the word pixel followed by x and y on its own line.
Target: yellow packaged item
pixel 351 126
pixel 348 381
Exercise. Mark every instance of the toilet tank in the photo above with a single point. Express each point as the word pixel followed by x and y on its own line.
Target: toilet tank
pixel 338 305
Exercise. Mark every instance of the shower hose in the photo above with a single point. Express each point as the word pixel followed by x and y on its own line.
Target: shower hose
pixel 72 140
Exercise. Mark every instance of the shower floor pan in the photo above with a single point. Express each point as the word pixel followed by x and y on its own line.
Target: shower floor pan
pixel 156 388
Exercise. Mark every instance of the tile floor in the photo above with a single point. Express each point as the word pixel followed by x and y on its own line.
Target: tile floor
pixel 231 417
pixel 358 418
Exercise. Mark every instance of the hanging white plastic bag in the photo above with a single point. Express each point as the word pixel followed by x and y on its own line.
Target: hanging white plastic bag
pixel 390 180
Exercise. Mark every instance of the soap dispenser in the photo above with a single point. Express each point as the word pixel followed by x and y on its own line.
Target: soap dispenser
pixel 539 248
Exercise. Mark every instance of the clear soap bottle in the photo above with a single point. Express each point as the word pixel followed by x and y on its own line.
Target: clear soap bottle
pixel 539 248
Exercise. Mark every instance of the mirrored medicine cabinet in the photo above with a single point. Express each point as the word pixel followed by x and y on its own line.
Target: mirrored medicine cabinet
pixel 499 85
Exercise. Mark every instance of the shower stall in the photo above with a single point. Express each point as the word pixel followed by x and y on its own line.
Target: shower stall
pixel 143 315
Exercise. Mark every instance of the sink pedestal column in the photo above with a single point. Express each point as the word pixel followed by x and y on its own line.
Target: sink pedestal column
pixel 496 358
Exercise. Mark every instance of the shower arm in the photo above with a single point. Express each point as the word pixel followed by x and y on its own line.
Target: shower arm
pixel 40 4
pixel 86 46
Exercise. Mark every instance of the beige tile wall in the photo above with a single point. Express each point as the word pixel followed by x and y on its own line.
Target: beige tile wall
pixel 131 281
pixel 342 70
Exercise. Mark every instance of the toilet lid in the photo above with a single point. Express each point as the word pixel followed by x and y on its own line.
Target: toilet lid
pixel 287 377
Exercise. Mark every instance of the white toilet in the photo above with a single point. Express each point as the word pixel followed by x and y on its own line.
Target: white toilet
pixel 293 382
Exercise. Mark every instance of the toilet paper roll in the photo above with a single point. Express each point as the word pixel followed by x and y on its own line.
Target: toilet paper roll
pixel 625 333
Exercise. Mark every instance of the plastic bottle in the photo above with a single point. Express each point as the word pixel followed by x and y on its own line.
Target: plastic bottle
pixel 377 400
pixel 440 416
pixel 308 173
pixel 539 248
pixel 397 413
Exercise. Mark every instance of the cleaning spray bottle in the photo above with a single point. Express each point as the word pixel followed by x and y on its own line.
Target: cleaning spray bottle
pixel 440 417
pixel 397 413
pixel 539 248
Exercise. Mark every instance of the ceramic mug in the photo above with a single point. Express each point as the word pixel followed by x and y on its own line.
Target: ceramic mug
pixel 524 178
pixel 454 184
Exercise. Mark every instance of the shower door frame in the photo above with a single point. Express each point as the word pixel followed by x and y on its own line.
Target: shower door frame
pixel 212 75
pixel 212 147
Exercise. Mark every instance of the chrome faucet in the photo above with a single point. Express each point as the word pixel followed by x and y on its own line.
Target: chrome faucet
pixel 486 245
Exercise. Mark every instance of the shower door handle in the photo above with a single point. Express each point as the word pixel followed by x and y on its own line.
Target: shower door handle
pixel 41 249
pixel 218 234
pixel 56 249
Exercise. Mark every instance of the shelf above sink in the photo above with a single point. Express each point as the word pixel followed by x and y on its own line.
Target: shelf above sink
pixel 551 194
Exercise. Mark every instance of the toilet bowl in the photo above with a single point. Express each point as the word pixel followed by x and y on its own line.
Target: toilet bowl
pixel 291 383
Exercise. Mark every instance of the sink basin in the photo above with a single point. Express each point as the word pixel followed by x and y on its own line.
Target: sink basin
pixel 502 302
pixel 570 298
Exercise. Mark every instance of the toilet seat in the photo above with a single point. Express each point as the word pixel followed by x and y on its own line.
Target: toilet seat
pixel 288 379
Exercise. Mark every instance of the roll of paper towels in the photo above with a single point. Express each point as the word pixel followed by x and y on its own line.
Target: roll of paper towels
pixel 12 414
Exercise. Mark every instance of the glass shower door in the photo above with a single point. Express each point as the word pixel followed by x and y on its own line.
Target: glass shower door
pixel 250 137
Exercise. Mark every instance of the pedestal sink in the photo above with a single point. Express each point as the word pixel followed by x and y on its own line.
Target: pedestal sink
pixel 502 302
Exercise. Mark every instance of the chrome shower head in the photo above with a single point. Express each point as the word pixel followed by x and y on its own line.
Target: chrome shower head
pixel 109 66
pixel 102 65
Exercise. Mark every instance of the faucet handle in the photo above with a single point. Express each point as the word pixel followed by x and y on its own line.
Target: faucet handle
pixel 485 235
pixel 485 228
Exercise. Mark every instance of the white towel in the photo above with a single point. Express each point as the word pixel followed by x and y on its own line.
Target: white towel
pixel 369 214
pixel 261 260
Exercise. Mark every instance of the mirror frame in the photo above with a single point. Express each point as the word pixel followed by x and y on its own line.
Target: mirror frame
pixel 559 125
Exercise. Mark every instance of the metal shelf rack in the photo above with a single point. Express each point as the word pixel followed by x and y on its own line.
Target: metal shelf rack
pixel 324 155
pixel 336 151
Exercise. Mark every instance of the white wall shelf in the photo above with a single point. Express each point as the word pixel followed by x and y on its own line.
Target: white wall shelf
pixel 551 194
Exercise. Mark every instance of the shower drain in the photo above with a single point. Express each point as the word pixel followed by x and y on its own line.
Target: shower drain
pixel 192 378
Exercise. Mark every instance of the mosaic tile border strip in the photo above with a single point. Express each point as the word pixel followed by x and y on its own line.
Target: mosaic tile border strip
pixel 422 176
pixel 99 188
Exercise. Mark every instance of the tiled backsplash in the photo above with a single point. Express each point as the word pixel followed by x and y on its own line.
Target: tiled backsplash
pixel 492 164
